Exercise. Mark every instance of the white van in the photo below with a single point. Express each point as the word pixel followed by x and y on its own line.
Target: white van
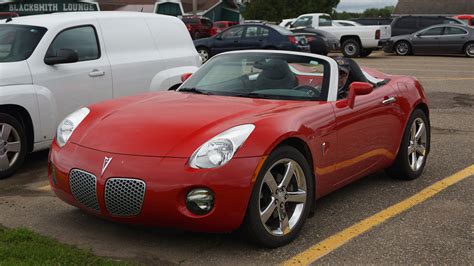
pixel 51 65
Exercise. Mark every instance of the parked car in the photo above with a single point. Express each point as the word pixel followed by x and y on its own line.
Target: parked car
pixel 354 41
pixel 345 23
pixel 320 41
pixel 249 141
pixel 444 39
pixel 373 21
pixel 198 26
pixel 5 15
pixel 411 24
pixel 467 19
pixel 251 36
pixel 54 64
pixel 287 22
pixel 219 26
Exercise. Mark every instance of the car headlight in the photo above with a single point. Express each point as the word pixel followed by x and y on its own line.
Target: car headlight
pixel 69 124
pixel 220 149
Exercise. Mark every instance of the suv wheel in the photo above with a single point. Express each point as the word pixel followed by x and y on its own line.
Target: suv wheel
pixel 351 48
pixel 12 145
pixel 469 49
pixel 402 48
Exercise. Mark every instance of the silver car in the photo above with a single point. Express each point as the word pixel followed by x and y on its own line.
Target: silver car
pixel 437 39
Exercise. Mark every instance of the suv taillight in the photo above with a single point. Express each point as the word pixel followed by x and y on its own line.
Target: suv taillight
pixel 377 34
pixel 293 40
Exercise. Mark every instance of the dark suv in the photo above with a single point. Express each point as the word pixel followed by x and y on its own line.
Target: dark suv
pixel 198 27
pixel 410 24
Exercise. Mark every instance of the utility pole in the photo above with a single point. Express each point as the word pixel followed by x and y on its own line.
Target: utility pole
pixel 195 7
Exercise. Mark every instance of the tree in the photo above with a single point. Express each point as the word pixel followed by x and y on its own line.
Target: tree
pixel 385 12
pixel 276 10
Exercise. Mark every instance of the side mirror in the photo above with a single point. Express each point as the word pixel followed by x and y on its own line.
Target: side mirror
pixel 186 76
pixel 64 56
pixel 358 88
pixel 219 37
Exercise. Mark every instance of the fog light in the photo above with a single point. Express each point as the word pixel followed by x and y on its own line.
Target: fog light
pixel 200 201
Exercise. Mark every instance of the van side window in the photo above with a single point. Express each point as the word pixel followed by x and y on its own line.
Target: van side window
pixel 83 40
pixel 406 23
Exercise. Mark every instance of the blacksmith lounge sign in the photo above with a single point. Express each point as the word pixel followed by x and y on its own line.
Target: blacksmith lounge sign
pixel 34 7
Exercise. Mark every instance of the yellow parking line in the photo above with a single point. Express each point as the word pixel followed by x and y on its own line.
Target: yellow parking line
pixel 45 188
pixel 335 241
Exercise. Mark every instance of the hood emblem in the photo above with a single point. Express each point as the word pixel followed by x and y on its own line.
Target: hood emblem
pixel 106 163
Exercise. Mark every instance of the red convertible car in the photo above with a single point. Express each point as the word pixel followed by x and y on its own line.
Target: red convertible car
pixel 250 140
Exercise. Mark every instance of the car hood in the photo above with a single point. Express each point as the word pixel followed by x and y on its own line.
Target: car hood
pixel 15 73
pixel 169 124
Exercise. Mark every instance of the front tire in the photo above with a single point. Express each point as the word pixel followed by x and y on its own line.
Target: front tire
pixel 402 48
pixel 414 149
pixel 13 146
pixel 281 199
pixel 351 48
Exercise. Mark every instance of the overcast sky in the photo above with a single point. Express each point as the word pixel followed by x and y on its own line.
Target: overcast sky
pixel 361 5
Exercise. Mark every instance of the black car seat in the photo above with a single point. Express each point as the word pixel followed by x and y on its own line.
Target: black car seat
pixel 276 74
pixel 355 74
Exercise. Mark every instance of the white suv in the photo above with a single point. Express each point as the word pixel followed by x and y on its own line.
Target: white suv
pixel 51 65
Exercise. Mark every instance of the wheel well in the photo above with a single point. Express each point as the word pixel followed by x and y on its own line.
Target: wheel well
pixel 22 115
pixel 350 37
pixel 175 87
pixel 423 107
pixel 202 46
pixel 466 44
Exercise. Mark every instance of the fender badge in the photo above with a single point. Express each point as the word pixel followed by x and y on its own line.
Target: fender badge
pixel 106 163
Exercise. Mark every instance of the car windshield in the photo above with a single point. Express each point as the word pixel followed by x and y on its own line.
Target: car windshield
pixel 17 42
pixel 262 75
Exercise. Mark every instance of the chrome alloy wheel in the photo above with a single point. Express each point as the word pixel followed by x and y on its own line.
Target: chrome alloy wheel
pixel 417 146
pixel 350 49
pixel 402 48
pixel 282 197
pixel 10 146
pixel 204 54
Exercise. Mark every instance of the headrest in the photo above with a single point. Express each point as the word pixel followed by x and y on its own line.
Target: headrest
pixel 274 69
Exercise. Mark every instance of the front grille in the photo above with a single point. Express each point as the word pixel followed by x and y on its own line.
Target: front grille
pixel 83 188
pixel 124 196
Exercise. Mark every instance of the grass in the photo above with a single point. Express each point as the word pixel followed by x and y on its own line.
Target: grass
pixel 24 247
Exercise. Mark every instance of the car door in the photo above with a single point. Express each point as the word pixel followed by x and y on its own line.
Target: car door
pixel 255 37
pixel 74 85
pixel 366 134
pixel 453 39
pixel 427 41
pixel 228 40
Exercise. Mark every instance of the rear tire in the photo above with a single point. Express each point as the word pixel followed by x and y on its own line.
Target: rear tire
pixel 13 145
pixel 469 49
pixel 203 53
pixel 351 48
pixel 402 48
pixel 276 204
pixel 365 52
pixel 414 149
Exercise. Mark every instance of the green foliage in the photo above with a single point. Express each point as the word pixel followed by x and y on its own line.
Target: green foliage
pixel 276 10
pixel 23 247
pixel 385 12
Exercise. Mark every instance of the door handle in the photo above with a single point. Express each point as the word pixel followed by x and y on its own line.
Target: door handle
pixel 96 73
pixel 389 100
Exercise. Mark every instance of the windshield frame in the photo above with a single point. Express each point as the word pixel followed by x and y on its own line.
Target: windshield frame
pixel 331 73
pixel 42 30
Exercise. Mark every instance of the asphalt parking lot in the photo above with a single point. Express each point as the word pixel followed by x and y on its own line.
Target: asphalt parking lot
pixel 439 230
